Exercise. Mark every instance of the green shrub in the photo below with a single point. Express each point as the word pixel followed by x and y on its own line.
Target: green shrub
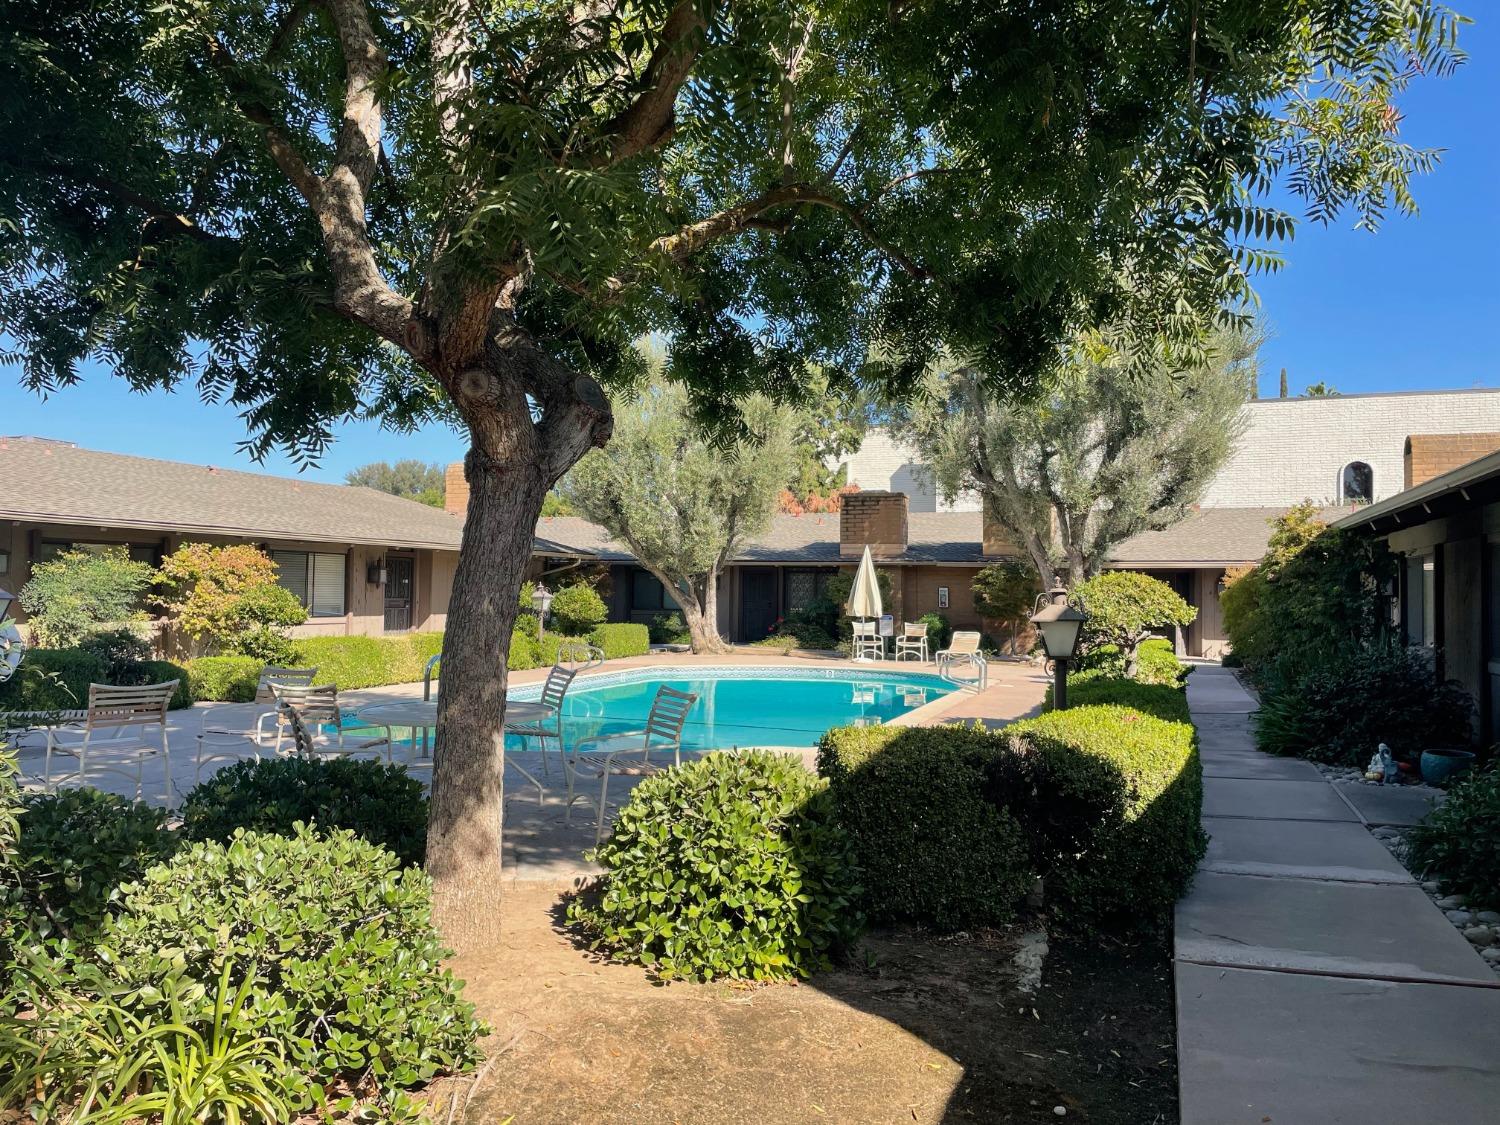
pixel 122 651
pixel 361 662
pixel 621 640
pixel 1111 800
pixel 75 850
pixel 1341 707
pixel 58 680
pixel 334 937
pixel 523 653
pixel 231 679
pixel 1459 842
pixel 939 631
pixel 730 866
pixel 1165 701
pixel 528 624
pixel 929 844
pixel 668 629
pixel 379 803
pixel 78 592
pixel 577 609
pixel 1157 663
pixel 1124 608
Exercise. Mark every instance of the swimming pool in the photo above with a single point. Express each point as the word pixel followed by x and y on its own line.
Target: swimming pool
pixel 744 706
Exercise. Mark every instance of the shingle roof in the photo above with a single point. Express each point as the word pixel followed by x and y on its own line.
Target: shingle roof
pixel 1208 537
pixel 57 482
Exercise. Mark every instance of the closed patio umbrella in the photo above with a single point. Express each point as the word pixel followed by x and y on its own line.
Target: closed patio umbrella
pixel 864 595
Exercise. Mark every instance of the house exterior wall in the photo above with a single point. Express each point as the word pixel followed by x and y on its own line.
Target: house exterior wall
pixel 1432 455
pixel 364 604
pixel 1294 449
pixel 884 465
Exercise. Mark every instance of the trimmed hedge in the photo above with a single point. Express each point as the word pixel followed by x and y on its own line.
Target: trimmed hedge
pixel 1111 799
pixel 619 640
pixel 930 846
pixel 1160 700
pixel 379 803
pixel 57 679
pixel 1157 663
pixel 230 679
pixel 730 866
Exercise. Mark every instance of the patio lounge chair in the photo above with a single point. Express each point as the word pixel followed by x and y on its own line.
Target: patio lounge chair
pixel 119 720
pixel 913 641
pixel 554 691
pixel 663 731
pixel 963 649
pixel 318 708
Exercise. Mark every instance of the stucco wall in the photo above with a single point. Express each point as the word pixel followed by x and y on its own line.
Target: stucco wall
pixel 1294 449
pixel 881 464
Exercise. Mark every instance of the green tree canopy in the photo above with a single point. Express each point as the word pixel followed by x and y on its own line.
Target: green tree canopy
pixel 313 210
pixel 683 504
pixel 1117 447
pixel 415 480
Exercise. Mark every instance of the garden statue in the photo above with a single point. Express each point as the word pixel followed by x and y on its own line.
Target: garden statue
pixel 1382 766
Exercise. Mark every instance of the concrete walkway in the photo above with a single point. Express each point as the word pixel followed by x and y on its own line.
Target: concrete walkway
pixel 1316 982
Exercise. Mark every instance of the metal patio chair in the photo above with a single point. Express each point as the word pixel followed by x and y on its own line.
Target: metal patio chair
pixel 913 641
pixel 318 708
pixel 119 720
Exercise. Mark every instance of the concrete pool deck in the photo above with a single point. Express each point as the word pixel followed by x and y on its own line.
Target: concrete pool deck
pixel 539 843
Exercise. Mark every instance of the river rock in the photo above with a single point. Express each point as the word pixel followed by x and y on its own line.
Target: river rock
pixel 1492 954
pixel 1479 935
pixel 1489 917
pixel 1452 902
pixel 1459 917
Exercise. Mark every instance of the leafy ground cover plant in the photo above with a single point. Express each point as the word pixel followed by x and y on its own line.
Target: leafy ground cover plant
pixel 930 844
pixel 333 936
pixel 732 866
pixel 1459 842
pixel 379 803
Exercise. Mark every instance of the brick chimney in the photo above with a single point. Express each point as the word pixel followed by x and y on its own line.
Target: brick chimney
pixel 873 519
pixel 1432 455
pixel 455 489
pixel 997 541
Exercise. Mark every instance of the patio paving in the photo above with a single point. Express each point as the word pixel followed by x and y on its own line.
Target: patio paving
pixel 1283 800
pixel 1307 961
pixel 1396 805
pixel 1250 765
pixel 1296 1049
pixel 1299 849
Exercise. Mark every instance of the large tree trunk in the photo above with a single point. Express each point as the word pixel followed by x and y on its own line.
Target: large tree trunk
pixel 463 836
pixel 700 612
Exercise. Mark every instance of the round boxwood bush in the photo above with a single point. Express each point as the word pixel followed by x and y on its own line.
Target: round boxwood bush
pixel 75 849
pixel 380 803
pixel 731 866
pixel 576 610
pixel 1459 842
pixel 334 936
pixel 930 845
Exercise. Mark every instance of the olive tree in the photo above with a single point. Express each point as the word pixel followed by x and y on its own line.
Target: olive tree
pixel 683 502
pixel 311 209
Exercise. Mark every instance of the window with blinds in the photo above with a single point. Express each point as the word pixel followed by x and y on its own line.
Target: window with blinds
pixel 316 579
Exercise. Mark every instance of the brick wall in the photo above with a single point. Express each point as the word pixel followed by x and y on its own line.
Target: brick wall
pixel 1432 455
pixel 873 519
pixel 455 489
pixel 1295 449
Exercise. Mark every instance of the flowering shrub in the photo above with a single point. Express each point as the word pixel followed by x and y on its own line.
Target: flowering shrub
pixel 227 601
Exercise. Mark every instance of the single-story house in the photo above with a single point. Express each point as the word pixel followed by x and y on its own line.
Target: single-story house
pixel 363 562
pixel 1447 528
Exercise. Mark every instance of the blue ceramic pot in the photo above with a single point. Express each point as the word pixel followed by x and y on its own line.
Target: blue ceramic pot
pixel 1439 767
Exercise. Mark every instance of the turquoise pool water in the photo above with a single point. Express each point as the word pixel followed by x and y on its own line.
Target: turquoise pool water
pixel 732 710
pixel 738 707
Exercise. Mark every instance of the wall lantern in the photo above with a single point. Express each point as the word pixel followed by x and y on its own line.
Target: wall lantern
pixel 541 601
pixel 375 574
pixel 1060 625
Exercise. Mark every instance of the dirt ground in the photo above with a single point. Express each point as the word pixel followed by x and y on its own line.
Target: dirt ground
pixel 924 1029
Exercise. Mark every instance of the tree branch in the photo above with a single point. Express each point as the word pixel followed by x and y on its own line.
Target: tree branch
pixel 648 120
pixel 174 221
pixel 452 77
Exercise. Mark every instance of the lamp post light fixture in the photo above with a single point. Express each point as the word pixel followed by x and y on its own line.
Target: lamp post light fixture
pixel 1059 624
pixel 541 601
pixel 6 597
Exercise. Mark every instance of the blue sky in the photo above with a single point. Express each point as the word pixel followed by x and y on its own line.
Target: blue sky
pixel 1412 306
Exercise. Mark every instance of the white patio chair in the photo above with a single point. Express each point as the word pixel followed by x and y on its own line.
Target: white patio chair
pixel 266 710
pixel 867 641
pixel 962 649
pixel 119 720
pixel 663 731
pixel 554 692
pixel 913 641
pixel 222 739
pixel 318 708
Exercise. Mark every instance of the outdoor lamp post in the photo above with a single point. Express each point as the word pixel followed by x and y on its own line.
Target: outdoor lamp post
pixel 1059 624
pixel 541 601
